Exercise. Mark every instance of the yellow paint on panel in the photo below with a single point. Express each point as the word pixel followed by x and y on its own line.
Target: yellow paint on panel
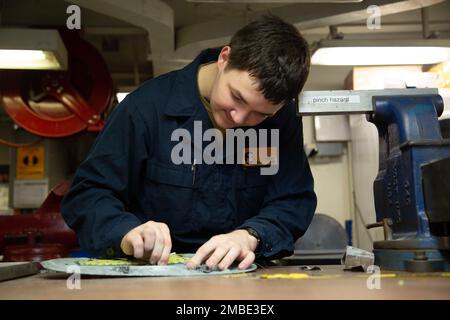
pixel 173 259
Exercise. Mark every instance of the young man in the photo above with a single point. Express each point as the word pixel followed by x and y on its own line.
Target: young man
pixel 129 197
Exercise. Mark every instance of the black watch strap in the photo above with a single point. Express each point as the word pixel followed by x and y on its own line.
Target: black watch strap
pixel 254 233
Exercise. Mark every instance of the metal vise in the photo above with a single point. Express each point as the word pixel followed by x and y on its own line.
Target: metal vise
pixel 412 187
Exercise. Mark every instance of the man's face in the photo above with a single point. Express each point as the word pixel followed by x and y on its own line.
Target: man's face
pixel 235 99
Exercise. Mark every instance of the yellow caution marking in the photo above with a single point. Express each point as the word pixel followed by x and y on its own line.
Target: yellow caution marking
pixel 237 275
pixel 286 276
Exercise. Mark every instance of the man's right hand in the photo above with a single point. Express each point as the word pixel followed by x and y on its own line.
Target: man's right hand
pixel 150 241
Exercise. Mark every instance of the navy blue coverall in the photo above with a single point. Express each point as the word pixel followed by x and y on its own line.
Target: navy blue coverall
pixel 128 177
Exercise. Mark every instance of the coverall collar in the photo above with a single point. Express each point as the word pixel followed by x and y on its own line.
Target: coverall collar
pixel 185 98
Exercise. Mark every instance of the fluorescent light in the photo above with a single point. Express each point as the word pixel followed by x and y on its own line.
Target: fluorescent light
pixel 123 91
pixel 342 52
pixel 121 95
pixel 22 54
pixel 27 59
pixel 359 56
pixel 32 49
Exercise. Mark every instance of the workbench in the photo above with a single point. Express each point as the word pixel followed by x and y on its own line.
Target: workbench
pixel 329 283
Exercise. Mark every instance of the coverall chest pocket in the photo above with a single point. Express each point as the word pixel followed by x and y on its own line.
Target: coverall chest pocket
pixel 171 194
pixel 251 191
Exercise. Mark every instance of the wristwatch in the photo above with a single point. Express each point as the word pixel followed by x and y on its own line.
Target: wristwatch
pixel 254 233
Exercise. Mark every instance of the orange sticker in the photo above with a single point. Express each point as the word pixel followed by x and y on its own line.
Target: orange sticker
pixel 30 162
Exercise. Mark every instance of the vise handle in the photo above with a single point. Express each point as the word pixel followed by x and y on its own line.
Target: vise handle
pixel 386 223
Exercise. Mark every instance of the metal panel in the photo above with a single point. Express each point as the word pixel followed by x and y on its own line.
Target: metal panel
pixel 349 101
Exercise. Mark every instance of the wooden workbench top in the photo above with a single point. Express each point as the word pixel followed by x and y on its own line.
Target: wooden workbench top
pixel 330 283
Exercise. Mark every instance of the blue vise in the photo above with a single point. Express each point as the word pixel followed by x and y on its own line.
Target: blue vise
pixel 412 188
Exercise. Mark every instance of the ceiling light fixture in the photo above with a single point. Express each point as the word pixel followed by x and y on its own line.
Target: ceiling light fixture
pixel 375 52
pixel 38 49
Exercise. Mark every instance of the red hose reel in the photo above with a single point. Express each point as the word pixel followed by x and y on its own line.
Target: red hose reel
pixel 60 103
pixel 53 104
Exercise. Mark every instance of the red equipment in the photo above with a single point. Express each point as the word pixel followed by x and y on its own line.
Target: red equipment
pixel 53 104
pixel 39 236
pixel 60 103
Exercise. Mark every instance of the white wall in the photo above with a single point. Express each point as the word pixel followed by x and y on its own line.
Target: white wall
pixel 331 180
pixel 332 177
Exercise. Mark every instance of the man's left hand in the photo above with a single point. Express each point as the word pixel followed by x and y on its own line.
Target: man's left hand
pixel 222 250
